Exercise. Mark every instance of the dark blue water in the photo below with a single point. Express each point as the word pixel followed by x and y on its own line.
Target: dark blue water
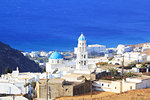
pixel 56 24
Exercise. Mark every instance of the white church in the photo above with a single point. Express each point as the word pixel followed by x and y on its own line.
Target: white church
pixel 55 61
pixel 80 65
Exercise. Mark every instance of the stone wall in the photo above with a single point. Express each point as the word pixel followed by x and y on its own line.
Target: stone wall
pixel 82 88
pixel 62 89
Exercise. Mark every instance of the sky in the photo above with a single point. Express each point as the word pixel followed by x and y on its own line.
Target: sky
pixel 32 25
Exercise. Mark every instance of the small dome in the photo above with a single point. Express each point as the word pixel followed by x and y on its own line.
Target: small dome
pixel 81 38
pixel 55 55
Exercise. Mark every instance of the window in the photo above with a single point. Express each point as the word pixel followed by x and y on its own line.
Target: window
pixel 81 56
pixel 80 49
pixel 57 61
pixel 81 62
pixel 66 89
pixel 84 62
pixel 84 56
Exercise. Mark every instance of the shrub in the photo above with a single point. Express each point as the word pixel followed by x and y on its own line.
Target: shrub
pixel 43 69
pixel 132 65
pixel 114 72
pixel 33 84
pixel 27 84
pixel 111 58
pixel 102 63
pixel 7 70
pixel 129 74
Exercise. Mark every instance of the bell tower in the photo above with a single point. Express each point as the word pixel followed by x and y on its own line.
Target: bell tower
pixel 82 54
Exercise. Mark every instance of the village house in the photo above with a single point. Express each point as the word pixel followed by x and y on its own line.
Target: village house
pixel 122 86
pixel 13 83
pixel 59 87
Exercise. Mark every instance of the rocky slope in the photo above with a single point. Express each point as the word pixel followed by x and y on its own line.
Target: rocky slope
pixel 141 94
pixel 139 45
pixel 12 58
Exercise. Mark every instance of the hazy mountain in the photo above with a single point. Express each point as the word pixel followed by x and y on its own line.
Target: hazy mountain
pixel 12 58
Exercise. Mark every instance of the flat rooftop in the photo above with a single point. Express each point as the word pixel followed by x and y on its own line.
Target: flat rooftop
pixel 143 77
pixel 73 75
pixel 52 80
pixel 109 66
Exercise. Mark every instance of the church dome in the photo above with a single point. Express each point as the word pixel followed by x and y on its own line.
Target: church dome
pixel 55 55
pixel 81 38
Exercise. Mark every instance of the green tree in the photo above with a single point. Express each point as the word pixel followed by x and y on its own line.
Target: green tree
pixel 144 65
pixel 113 72
pixel 111 58
pixel 33 84
pixel 7 70
pixel 43 70
pixel 27 84
pixel 129 74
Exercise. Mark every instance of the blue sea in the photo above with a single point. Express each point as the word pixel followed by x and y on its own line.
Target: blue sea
pixel 31 25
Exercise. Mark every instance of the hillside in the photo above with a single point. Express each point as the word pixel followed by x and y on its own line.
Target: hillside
pixel 141 94
pixel 12 58
pixel 146 52
pixel 140 45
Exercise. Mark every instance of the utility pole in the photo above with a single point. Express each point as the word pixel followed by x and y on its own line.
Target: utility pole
pixel 122 65
pixel 49 92
pixel 91 84
pixel 26 86
pixel 46 86
pixel 13 97
pixel 122 73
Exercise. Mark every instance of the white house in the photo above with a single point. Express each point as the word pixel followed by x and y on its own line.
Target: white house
pixel 146 47
pixel 135 56
pixel 43 54
pixel 96 48
pixel 137 49
pixel 121 49
pixel 122 86
pixel 8 88
pixel 13 98
pixel 34 54
pixel 13 83
pixel 25 53
pixel 129 57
